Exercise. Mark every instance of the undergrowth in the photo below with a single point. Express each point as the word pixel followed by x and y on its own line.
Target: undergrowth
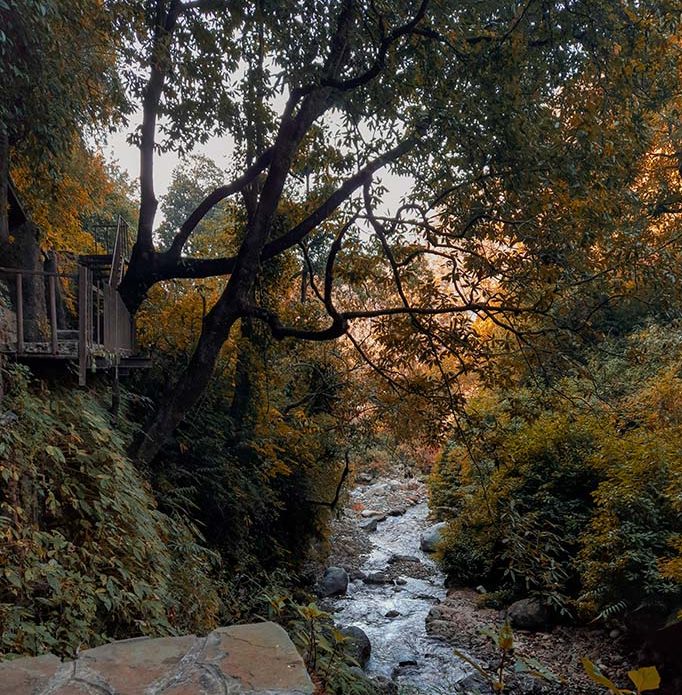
pixel 86 556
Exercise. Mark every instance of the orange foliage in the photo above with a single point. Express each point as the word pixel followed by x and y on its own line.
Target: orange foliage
pixel 59 202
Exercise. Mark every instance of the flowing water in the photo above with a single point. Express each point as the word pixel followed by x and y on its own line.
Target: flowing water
pixel 401 647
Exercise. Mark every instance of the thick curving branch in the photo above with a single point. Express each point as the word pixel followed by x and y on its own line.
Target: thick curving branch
pixel 279 331
pixel 379 61
pixel 211 200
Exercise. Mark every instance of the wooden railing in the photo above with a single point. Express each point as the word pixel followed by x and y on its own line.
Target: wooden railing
pixel 15 278
pixel 106 236
pixel 105 328
pixel 119 253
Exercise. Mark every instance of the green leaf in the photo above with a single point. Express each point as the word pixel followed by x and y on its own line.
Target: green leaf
pixel 55 453
pixel 646 678
pixel 530 665
pixel 13 578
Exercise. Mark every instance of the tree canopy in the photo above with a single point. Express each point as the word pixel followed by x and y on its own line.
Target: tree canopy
pixel 504 119
pixel 517 301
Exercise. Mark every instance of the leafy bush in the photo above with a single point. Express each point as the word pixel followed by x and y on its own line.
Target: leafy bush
pixel 520 508
pixel 571 491
pixel 85 554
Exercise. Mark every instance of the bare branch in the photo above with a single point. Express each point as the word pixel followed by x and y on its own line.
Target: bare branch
pixel 299 232
pixel 474 307
pixel 379 60
pixel 204 5
pixel 329 270
pixel 337 328
pixel 339 487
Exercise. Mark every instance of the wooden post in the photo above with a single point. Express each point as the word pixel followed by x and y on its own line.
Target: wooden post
pixel 89 327
pixel 116 394
pixel 98 293
pixel 114 304
pixel 53 313
pixel 82 324
pixel 20 314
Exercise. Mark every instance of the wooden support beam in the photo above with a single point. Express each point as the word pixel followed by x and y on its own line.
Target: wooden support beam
pixel 83 309
pixel 98 317
pixel 51 281
pixel 20 314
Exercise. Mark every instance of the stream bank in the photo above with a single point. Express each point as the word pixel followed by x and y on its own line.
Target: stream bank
pixel 397 596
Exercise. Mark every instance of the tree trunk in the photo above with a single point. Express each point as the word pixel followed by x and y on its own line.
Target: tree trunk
pixel 246 408
pixel 175 404
pixel 24 253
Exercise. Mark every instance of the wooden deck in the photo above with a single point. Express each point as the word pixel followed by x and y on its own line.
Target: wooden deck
pixel 84 319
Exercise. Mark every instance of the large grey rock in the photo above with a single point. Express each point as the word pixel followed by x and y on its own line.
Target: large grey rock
pixel 528 614
pixel 222 662
pixel 432 537
pixel 334 582
pixel 359 647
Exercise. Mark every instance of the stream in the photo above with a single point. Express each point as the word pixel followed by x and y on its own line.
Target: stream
pixel 401 648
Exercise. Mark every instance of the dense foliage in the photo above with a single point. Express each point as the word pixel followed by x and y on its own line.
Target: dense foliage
pixel 569 490
pixel 85 555
pixel 521 294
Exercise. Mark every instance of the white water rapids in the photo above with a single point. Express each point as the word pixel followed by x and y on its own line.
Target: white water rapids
pixel 401 648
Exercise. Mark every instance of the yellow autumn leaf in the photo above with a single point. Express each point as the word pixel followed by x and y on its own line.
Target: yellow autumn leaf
pixel 598 677
pixel 506 638
pixel 646 678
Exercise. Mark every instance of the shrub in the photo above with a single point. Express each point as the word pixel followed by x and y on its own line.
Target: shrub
pixel 85 555
pixel 572 491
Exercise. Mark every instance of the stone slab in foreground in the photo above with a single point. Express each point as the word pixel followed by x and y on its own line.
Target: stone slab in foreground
pixel 241 659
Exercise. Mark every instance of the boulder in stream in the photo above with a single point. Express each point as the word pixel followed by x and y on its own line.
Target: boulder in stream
pixel 385 686
pixel 407 659
pixel 334 582
pixel 432 537
pixel 359 647
pixel 378 578
pixel 369 525
pixel 372 513
pixel 402 558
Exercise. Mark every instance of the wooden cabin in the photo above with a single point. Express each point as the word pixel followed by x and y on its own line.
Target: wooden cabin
pixel 78 315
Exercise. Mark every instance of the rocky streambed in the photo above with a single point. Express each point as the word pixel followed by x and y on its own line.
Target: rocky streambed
pixel 393 585
pixel 395 593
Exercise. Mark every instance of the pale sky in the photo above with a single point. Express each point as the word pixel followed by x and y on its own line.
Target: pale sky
pixel 128 158
pixel 220 151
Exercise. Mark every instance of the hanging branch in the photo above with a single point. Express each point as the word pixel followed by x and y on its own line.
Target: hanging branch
pixel 342 480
